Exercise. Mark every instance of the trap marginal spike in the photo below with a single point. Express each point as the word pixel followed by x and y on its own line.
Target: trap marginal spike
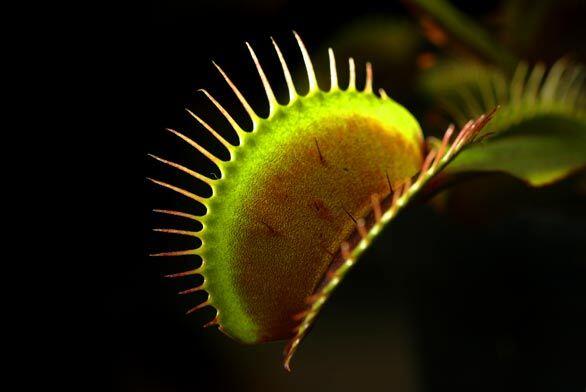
pixel 211 130
pixel 405 188
pixel 352 77
pixel 376 207
pixel 368 84
pixel 517 85
pixel 179 190
pixel 217 161
pixel 553 79
pixel 193 290
pixel 534 82
pixel 454 146
pixel 443 146
pixel 333 71
pixel 239 131
pixel 178 213
pixel 426 166
pixel 360 225
pixel 196 271
pixel 396 195
pixel 265 83
pixel 184 169
pixel 202 305
pixel 383 94
pixel 187 233
pixel 335 151
pixel 253 116
pixel 215 321
pixel 186 252
pixel 308 64
pixel 345 249
pixel 288 79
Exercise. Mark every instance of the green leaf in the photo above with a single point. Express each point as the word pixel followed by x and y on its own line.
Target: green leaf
pixel 540 150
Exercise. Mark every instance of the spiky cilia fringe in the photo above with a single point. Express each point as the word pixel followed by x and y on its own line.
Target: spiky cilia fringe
pixel 531 92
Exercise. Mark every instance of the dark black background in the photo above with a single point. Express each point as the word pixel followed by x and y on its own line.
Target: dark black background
pixel 487 301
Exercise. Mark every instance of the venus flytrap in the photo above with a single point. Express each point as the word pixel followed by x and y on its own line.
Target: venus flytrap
pixel 303 194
